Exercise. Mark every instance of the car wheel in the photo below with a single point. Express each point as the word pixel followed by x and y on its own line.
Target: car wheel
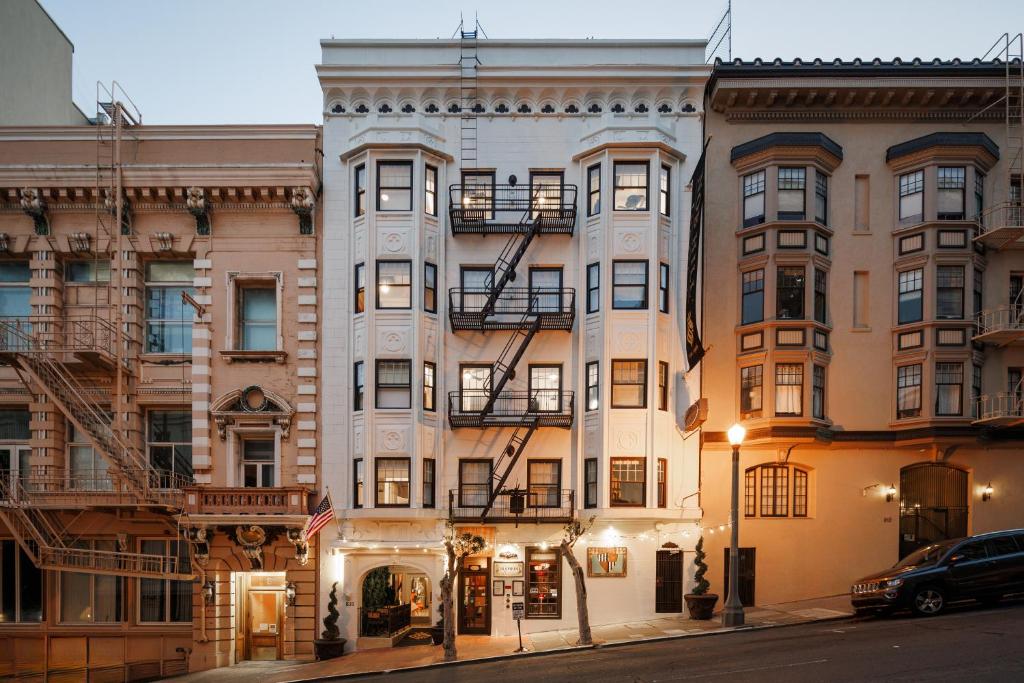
pixel 928 601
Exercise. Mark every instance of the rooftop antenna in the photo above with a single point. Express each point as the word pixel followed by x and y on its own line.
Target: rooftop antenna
pixel 720 39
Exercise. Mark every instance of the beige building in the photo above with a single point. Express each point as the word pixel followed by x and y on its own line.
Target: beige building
pixel 862 280
pixel 158 399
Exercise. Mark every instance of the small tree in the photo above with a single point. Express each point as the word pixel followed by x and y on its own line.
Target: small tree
pixel 572 533
pixel 700 585
pixel 457 547
pixel 331 630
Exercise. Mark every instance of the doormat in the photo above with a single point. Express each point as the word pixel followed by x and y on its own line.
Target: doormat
pixel 417 636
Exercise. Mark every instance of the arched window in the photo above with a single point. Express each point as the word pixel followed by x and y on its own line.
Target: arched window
pixel 776 490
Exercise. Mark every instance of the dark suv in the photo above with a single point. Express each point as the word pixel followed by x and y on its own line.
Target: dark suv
pixel 984 567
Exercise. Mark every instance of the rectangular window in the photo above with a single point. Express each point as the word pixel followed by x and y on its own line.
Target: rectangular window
pixel 593 385
pixel 912 196
pixel 590 482
pixel 394 186
pixel 257 319
pixel 629 384
pixel 753 297
pixel 91 272
pixel 975 389
pixel 799 493
pixel 753 199
pixel 430 190
pixel 979 291
pixel 750 492
pixel 358 384
pixel 979 194
pixel 258 467
pixel 792 188
pixel 862 203
pixel 629 285
pixel 429 386
pixel 89 469
pixel 751 390
pixel 789 293
pixel 593 288
pixel 544 387
pixel 165 600
pixel 394 284
pixel 91 598
pixel 429 483
pixel 546 193
pixel 392 477
pixel 358 479
pixel 168 318
pixel 818 392
pixel 861 299
pixel 821 197
pixel 664 191
pixel 394 384
pixel 908 391
pixel 21 586
pixel 663 280
pixel 949 293
pixel 662 482
pixel 360 190
pixel 475 382
pixel 430 288
pixel 911 296
pixel 544 483
pixel 952 185
pixel 949 388
pixel 820 296
pixel 663 376
pixel 360 287
pixel 628 482
pixel 543 583
pixel 169 443
pixel 478 195
pixel 630 186
pixel 789 389
pixel 774 491
pixel 594 190
pixel 474 482
pixel 545 289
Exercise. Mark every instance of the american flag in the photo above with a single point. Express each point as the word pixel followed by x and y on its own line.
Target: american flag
pixel 324 513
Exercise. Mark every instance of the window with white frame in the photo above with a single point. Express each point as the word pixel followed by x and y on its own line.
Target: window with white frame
pixel 394 186
pixel 753 198
pixel 952 184
pixel 792 193
pixel 91 598
pixel 394 384
pixel 789 389
pixel 258 463
pixel 168 317
pixel 165 600
pixel 912 196
pixel 256 312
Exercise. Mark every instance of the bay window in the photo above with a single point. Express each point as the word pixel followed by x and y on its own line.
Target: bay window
pixel 912 196
pixel 430 288
pixel 665 191
pixel 908 391
pixel 629 285
pixel 753 199
pixel 594 190
pixel 628 482
pixel 593 385
pixel 792 189
pixel 949 295
pixel 751 390
pixel 818 392
pixel 911 296
pixel 753 297
pixel 359 186
pixel 394 284
pixel 629 384
pixel 952 183
pixel 789 289
pixel 789 389
pixel 429 482
pixel 949 388
pixel 593 287
pixel 430 190
pixel 392 477
pixel 663 285
pixel 630 185
pixel 429 386
pixel 590 482
pixel 663 377
pixel 359 305
pixel 821 198
pixel 394 185
pixel 394 384
pixel 820 296
pixel 358 384
pixel 358 482
pixel 662 482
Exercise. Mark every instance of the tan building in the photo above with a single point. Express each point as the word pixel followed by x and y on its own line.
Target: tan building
pixel 862 304
pixel 158 397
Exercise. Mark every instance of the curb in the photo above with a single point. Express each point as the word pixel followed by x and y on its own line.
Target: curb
pixel 563 650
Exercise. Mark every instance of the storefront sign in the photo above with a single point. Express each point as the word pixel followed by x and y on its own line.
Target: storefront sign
pixel 518 610
pixel 508 569
pixel 606 562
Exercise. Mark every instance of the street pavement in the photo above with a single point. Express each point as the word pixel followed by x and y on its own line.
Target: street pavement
pixel 968 643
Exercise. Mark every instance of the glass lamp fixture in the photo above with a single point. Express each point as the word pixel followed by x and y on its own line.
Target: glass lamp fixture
pixel 736 434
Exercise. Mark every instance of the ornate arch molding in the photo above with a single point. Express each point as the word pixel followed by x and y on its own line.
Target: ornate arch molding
pixel 252 406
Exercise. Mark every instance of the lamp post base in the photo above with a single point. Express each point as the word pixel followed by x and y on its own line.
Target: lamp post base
pixel 732 616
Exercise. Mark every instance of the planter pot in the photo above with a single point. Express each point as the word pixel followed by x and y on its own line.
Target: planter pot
pixel 329 649
pixel 700 606
pixel 437 634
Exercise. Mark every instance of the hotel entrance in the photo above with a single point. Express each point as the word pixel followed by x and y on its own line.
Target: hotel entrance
pixel 475 596
pixel 259 617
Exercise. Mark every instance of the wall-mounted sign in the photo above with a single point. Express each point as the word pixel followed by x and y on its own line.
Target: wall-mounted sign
pixel 606 562
pixel 508 569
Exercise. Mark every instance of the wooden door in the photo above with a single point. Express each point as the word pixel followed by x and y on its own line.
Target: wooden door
pixel 747 562
pixel 264 627
pixel 668 581
pixel 474 602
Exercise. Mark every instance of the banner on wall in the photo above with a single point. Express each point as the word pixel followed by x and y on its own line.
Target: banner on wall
pixel 694 346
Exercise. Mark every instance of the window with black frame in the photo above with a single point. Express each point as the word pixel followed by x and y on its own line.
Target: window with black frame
pixel 792 194
pixel 429 483
pixel 629 285
pixel 911 296
pixel 593 288
pixel 593 385
pixel 629 384
pixel 394 186
pixel 949 294
pixel 789 303
pixel 21 600
pixel 546 194
pixel 776 490
pixel 358 483
pixel 543 483
pixel 394 384
pixel 753 297
pixel 430 190
pixel 543 583
pixel 358 384
pixel 789 389
pixel 753 198
pixel 820 296
pixel 662 482
pixel 165 600
pixel 952 184
pixel 429 386
pixel 949 389
pixel 628 482
pixel 394 284
pixel 594 190
pixel 478 194
pixel 663 379
pixel 751 390
pixel 663 286
pixel 392 478
pixel 911 196
pixel 590 483
pixel 359 189
pixel 474 482
pixel 430 288
pixel 818 392
pixel 665 191
pixel 821 197
pixel 630 185
pixel 908 391
pixel 169 443
pixel 359 304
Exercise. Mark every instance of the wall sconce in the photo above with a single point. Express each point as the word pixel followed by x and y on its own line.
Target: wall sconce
pixel 209 592
pixel 986 493
pixel 289 594
pixel 890 493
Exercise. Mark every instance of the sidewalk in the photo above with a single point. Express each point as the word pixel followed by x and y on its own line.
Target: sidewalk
pixel 472 648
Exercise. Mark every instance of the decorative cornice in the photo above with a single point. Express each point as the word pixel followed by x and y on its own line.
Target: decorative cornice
pixel 765 142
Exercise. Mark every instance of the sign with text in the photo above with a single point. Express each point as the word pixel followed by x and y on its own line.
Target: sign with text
pixel 508 569
pixel 518 610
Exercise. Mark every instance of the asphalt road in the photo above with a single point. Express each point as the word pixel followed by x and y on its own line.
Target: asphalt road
pixel 964 644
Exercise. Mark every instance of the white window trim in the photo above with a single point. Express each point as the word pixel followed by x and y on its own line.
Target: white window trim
pixel 235 279
pixel 236 435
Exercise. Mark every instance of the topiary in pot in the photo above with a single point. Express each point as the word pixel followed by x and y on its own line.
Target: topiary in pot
pixel 700 604
pixel 330 644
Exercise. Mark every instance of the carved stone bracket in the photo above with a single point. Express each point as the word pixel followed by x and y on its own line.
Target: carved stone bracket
pixel 297 537
pixel 303 203
pixel 33 204
pixel 110 203
pixel 251 539
pixel 200 539
pixel 195 200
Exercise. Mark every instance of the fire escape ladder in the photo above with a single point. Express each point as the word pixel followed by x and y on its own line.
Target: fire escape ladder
pixel 1015 108
pixel 508 458
pixel 504 367
pixel 508 260
pixel 468 62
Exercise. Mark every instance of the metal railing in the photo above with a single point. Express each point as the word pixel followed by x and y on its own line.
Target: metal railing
pixel 538 505
pixel 1007 215
pixel 384 622
pixel 52 334
pixel 1005 318
pixel 1006 405
pixel 467 307
pixel 290 500
pixel 55 487
pixel 550 407
pixel 478 207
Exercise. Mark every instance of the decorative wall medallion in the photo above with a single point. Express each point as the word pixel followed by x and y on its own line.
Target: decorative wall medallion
pixel 629 341
pixel 393 242
pixel 392 441
pixel 251 539
pixel 594 245
pixel 253 399
pixel 393 341
pixel 627 440
pixel 631 242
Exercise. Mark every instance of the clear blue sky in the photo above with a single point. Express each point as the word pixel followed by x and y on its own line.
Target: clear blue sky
pixel 251 61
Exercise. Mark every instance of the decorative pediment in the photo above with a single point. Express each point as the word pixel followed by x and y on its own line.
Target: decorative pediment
pixel 252 406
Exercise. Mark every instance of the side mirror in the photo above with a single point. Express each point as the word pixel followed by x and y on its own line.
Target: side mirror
pixel 954 559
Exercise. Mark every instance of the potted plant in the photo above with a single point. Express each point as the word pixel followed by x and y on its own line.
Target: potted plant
pixel 330 644
pixel 437 630
pixel 700 604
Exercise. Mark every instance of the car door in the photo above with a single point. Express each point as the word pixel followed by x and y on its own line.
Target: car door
pixel 1009 564
pixel 970 569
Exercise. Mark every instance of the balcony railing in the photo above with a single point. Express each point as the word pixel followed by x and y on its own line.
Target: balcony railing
pixel 550 407
pixel 50 333
pixel 210 500
pixel 1001 325
pixel 555 307
pixel 538 505
pixel 1002 226
pixel 55 487
pixel 384 622
pixel 1005 409
pixel 486 209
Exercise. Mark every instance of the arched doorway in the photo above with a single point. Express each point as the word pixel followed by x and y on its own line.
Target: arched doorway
pixel 933 505
pixel 394 598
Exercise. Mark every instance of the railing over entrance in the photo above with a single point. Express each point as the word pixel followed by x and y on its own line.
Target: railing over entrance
pixel 384 622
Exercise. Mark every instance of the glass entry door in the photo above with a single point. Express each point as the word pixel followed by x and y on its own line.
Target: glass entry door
pixel 475 599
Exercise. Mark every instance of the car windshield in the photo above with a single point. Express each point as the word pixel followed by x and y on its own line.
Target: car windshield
pixel 924 557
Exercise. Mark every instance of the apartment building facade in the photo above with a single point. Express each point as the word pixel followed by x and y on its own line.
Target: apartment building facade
pixel 862 234
pixel 505 224
pixel 159 396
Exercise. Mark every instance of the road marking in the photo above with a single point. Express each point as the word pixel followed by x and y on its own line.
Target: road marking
pixel 789 665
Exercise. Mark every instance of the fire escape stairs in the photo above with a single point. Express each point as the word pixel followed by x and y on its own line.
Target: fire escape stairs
pixel 508 458
pixel 508 260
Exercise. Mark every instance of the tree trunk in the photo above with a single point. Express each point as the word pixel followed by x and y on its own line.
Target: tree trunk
pixel 447 602
pixel 582 614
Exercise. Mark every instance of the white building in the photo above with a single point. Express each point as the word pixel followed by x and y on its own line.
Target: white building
pixel 447 378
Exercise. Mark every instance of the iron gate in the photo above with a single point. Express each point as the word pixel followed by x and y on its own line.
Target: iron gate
pixel 668 592
pixel 933 505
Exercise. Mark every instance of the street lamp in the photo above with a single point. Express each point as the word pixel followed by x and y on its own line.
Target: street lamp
pixel 732 615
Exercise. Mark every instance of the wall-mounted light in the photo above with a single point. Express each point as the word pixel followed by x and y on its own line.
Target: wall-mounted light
pixel 890 493
pixel 209 592
pixel 289 594
pixel 986 493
